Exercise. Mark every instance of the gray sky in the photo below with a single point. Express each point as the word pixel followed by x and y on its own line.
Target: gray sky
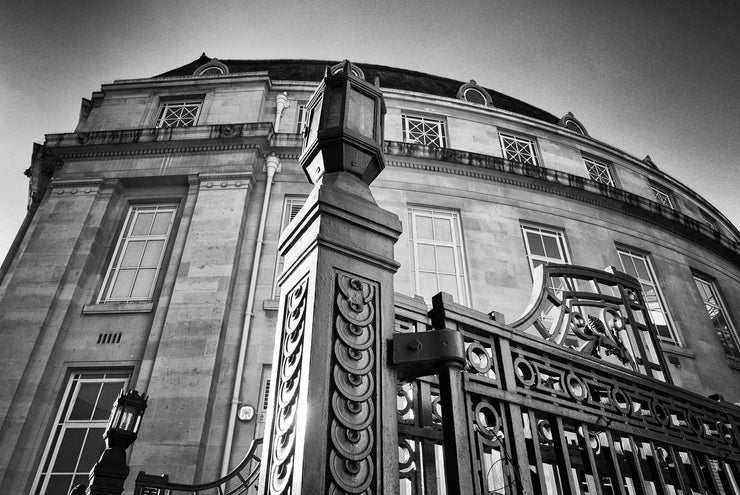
pixel 650 77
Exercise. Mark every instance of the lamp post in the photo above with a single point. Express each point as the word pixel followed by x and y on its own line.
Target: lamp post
pixel 332 426
pixel 345 127
pixel 110 472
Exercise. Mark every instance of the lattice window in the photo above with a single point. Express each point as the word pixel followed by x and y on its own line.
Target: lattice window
pixel 424 131
pixel 717 313
pixel 437 255
pixel 638 265
pixel 76 441
pixel 179 114
pixel 518 149
pixel 544 246
pixel 138 257
pixel 662 196
pixel 598 171
pixel 291 207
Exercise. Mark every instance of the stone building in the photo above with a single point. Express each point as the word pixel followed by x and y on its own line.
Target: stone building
pixel 148 258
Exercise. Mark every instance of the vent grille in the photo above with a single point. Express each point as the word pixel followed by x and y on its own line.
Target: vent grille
pixel 109 338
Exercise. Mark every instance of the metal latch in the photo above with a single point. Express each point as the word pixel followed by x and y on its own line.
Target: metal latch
pixel 424 353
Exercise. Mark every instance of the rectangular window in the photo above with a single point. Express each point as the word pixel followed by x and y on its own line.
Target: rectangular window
pixel 301 121
pixel 424 131
pixel 518 149
pixel 598 171
pixel 137 259
pixel 718 315
pixel 662 196
pixel 291 207
pixel 76 441
pixel 638 265
pixel 179 113
pixel 544 245
pixel 437 255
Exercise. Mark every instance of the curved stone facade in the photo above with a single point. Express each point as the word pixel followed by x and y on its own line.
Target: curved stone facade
pixel 486 187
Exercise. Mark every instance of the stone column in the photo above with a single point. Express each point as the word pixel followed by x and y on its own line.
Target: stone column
pixel 332 422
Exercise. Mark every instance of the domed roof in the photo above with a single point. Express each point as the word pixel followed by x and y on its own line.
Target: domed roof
pixel 409 80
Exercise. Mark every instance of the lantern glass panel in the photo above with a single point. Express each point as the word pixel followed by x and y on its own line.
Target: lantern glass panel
pixel 333 97
pixel 313 123
pixel 128 417
pixel 361 114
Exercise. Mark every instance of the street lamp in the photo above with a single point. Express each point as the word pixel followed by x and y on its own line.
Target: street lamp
pixel 345 127
pixel 110 472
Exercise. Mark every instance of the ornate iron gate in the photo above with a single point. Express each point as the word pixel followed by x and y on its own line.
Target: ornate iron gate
pixel 574 398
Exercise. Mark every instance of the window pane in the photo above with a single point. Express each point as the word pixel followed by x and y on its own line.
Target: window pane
pixel 132 255
pixel 94 446
pixel 69 450
pixel 442 230
pixel 59 485
pixel 535 244
pixel 122 285
pixel 85 402
pixel 445 259
pixel 143 223
pixel 162 222
pixel 642 270
pixel 152 253
pixel 628 265
pixel 448 283
pixel 143 284
pixel 552 250
pixel 105 401
pixel 427 259
pixel 360 114
pixel 424 228
pixel 428 286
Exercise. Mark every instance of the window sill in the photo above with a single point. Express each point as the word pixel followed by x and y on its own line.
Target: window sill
pixel 117 308
pixel 271 304
pixel 679 351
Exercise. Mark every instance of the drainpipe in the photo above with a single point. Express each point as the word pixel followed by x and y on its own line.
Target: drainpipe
pixel 272 164
pixel 281 103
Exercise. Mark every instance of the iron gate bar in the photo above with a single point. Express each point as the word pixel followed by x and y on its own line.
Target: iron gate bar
pixel 625 429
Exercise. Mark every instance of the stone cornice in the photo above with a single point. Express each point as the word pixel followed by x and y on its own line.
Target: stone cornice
pixel 562 184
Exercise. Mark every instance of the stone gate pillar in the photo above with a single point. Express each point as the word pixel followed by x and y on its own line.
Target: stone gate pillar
pixel 332 426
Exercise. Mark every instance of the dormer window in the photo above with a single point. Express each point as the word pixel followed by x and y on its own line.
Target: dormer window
pixel 213 68
pixel 572 124
pixel 473 93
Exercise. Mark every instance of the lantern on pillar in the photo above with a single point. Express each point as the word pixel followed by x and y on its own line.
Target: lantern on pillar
pixel 345 127
pixel 125 419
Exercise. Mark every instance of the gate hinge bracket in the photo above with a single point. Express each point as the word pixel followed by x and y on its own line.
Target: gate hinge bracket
pixel 424 353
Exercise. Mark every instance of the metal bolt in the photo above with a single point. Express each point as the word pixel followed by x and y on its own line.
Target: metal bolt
pixel 415 345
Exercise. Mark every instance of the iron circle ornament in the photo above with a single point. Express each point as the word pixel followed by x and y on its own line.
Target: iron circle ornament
pixel 725 431
pixel 405 456
pixel 525 372
pixel 478 358
pixel 487 419
pixel 620 400
pixel 660 413
pixel 576 387
pixel 577 322
pixel 696 425
pixel 544 430
pixel 404 402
